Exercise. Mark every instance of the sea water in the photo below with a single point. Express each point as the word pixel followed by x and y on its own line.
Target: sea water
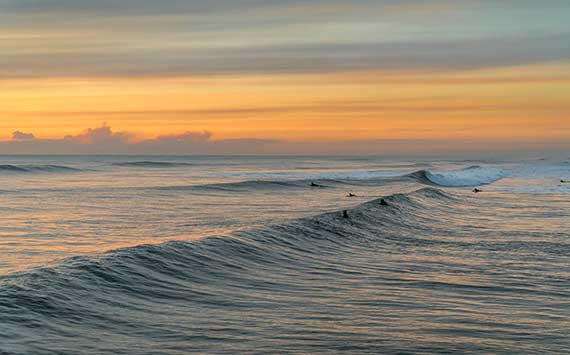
pixel 246 255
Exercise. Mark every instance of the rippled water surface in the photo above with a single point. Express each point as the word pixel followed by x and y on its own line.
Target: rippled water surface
pixel 178 255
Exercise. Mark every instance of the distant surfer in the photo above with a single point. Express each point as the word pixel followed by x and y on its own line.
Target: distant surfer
pixel 562 181
pixel 345 214
pixel 476 190
pixel 315 185
pixel 350 194
pixel 384 203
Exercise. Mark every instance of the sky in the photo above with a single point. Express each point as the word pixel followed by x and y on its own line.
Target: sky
pixel 284 76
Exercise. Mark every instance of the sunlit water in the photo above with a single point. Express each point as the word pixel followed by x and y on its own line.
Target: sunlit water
pixel 173 255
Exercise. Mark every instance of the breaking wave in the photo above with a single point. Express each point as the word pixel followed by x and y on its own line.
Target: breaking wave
pixel 472 176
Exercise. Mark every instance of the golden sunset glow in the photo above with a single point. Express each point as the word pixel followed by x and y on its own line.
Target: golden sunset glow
pixel 283 86
pixel 344 106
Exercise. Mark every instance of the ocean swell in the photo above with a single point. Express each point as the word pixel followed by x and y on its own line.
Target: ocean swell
pixel 163 271
pixel 366 282
pixel 152 164
pixel 340 175
pixel 37 169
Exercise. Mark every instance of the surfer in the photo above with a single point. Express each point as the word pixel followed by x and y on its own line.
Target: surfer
pixel 476 190
pixel 350 194
pixel 315 185
pixel 345 214
pixel 384 203
pixel 562 181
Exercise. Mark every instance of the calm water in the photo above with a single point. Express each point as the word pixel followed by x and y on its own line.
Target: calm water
pixel 172 255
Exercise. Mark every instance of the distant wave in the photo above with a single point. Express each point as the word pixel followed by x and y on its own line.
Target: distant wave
pixel 471 176
pixel 344 175
pixel 276 181
pixel 250 185
pixel 31 169
pixel 152 164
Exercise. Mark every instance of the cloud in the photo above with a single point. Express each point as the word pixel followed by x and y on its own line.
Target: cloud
pixel 21 136
pixel 132 38
pixel 297 58
pixel 103 140
pixel 165 7
pixel 101 135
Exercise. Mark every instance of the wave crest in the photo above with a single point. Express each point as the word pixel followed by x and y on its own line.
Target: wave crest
pixel 471 176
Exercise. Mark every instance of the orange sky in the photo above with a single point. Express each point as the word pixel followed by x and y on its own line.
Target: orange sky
pixel 523 102
pixel 387 73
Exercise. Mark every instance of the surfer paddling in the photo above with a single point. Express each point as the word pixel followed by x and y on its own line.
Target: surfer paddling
pixel 313 184
pixel 476 190
pixel 350 194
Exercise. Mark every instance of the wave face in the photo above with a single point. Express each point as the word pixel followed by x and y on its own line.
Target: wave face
pixel 417 273
pixel 472 176
pixel 30 169
pixel 152 164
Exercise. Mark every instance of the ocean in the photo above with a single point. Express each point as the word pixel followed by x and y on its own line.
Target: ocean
pixel 255 255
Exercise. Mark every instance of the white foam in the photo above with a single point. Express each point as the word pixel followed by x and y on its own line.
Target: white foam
pixel 472 176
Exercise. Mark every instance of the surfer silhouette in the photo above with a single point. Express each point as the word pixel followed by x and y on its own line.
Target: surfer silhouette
pixel 476 190
pixel 315 185
pixel 384 203
pixel 350 194
pixel 345 214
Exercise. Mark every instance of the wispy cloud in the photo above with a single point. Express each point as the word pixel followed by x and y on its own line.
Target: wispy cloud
pixel 176 38
pixel 309 58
